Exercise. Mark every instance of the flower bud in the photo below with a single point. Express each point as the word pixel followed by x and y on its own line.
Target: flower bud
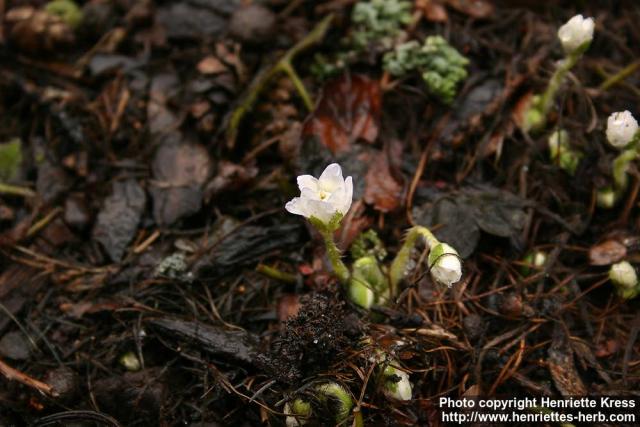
pixel 444 264
pixel 396 384
pixel 622 127
pixel 341 399
pixel 576 34
pixel 368 285
pixel 624 278
pixel 297 412
pixel 606 198
pixel 534 260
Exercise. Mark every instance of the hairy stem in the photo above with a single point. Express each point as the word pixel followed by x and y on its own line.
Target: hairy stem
pixel 333 253
pixel 399 264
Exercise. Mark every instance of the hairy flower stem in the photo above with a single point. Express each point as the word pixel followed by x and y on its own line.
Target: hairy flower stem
pixel 620 166
pixel 399 264
pixel 333 253
pixel 546 101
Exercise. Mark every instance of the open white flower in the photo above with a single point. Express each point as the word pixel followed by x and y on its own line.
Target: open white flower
pixel 323 197
pixel 621 129
pixel 445 265
pixel 576 33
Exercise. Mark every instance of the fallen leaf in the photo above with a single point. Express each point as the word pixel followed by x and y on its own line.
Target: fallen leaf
pixel 211 65
pixel 433 10
pixel 288 306
pixel 382 190
pixel 119 217
pixel 562 366
pixel 230 177
pixel 349 109
pixel 607 252
pixel 180 170
pixel 475 8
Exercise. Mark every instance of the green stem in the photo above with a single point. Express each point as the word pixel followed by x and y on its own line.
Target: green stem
pixel 620 166
pixel 15 190
pixel 276 274
pixel 333 253
pixel 283 65
pixel 555 82
pixel 399 264
pixel 297 83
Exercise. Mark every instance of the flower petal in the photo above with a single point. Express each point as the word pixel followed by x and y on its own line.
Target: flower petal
pixel 297 206
pixel 320 209
pixel 331 178
pixel 308 181
pixel 348 183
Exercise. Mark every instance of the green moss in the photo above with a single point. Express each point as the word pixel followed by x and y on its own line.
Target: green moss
pixel 441 66
pixel 379 22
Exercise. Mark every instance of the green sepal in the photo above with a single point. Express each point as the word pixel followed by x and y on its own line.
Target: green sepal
pixel 367 277
pixel 340 398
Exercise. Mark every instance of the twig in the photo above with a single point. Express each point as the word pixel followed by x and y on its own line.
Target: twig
pixel 15 375
pixel 284 65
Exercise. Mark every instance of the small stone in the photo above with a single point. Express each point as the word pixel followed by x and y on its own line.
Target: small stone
pixel 64 382
pixel 253 24
pixel 14 346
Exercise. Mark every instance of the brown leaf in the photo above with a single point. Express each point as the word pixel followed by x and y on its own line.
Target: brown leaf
pixel 180 171
pixel 474 8
pixel 119 216
pixel 211 65
pixel 382 190
pixel 288 306
pixel 562 366
pixel 433 10
pixel 607 252
pixel 230 177
pixel 349 109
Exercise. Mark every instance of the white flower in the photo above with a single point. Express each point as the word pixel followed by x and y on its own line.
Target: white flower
pixel 623 275
pixel 397 384
pixel 445 265
pixel 576 33
pixel 621 128
pixel 322 198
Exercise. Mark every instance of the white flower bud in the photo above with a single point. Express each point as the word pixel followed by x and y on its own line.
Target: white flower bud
pixel 621 129
pixel 624 278
pixel 445 265
pixel 324 197
pixel 606 198
pixel 397 384
pixel 623 275
pixel 576 34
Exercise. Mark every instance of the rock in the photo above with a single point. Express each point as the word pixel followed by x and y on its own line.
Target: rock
pixel 15 346
pixel 253 24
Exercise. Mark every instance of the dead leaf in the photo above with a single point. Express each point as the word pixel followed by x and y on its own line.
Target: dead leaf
pixel 288 306
pixel 180 170
pixel 211 65
pixel 119 217
pixel 479 9
pixel 382 190
pixel 562 366
pixel 433 10
pixel 230 177
pixel 607 252
pixel 349 109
